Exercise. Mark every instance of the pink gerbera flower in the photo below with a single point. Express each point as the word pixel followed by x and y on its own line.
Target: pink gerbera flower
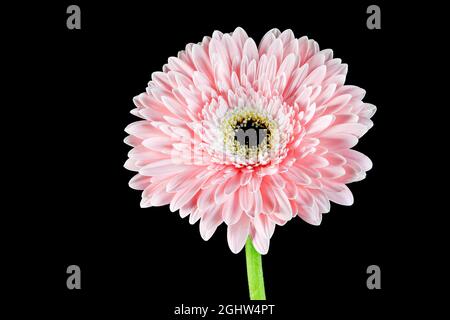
pixel 250 136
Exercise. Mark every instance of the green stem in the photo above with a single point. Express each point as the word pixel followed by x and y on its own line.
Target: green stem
pixel 254 272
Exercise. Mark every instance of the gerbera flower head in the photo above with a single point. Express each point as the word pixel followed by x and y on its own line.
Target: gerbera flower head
pixel 250 136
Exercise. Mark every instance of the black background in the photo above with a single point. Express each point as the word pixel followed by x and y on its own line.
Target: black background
pixel 76 206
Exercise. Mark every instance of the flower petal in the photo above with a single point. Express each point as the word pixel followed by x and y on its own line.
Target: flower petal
pixel 237 234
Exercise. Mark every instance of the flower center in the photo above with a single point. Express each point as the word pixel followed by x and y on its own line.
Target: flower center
pixel 251 133
pixel 248 135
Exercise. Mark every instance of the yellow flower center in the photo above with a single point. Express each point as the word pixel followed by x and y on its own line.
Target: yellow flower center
pixel 248 134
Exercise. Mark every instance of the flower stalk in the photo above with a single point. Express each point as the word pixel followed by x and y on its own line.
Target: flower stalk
pixel 254 272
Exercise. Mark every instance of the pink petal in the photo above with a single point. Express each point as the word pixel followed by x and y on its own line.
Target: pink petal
pixel 245 178
pixel 284 209
pixel 316 76
pixel 162 167
pixel 362 160
pixel 261 243
pixel 184 195
pixel 209 222
pixel 310 214
pixel 264 226
pixel 298 176
pixel 139 182
pixel 245 198
pixel 268 199
pixel 231 211
pixel 332 172
pixel 141 129
pixel 237 234
pixel 161 198
pixel 343 197
pixel 201 60
pixel 258 203
pixel 232 184
pixel 320 124
pixel 356 129
pixel 339 141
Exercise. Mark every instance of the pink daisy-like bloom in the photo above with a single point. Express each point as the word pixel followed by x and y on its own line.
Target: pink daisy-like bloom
pixel 187 151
